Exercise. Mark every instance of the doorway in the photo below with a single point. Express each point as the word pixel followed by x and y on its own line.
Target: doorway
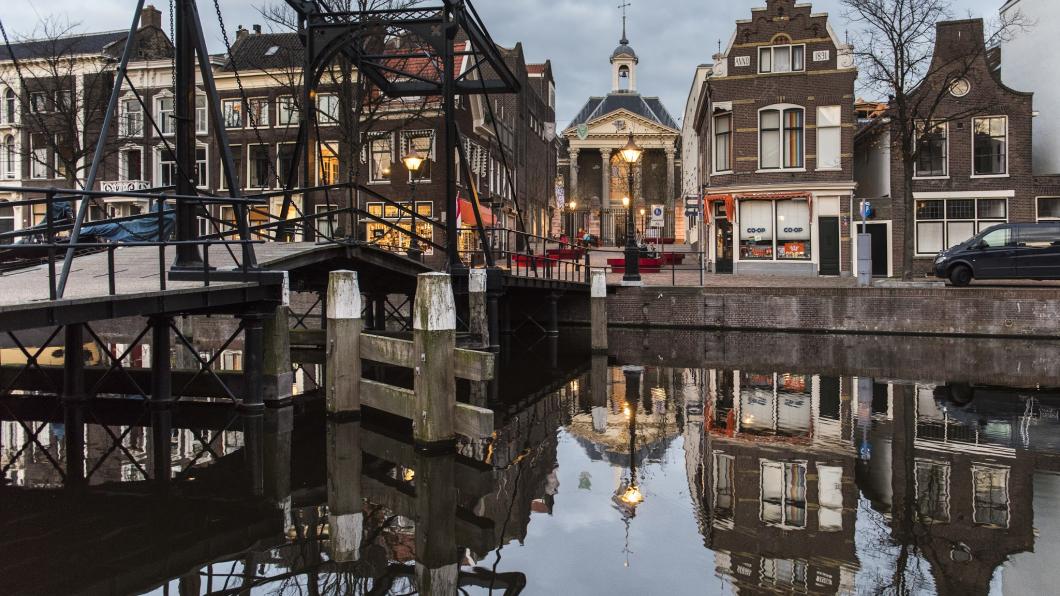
pixel 829 245
pixel 722 241
pixel 881 255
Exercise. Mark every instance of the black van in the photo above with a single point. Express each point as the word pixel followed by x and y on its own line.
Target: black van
pixel 1005 251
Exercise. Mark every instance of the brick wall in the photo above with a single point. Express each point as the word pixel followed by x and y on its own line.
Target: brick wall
pixel 1018 312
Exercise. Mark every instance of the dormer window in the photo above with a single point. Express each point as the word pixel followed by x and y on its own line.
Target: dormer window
pixel 272 51
pixel 782 58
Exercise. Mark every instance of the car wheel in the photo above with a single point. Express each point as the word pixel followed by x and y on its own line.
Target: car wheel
pixel 961 275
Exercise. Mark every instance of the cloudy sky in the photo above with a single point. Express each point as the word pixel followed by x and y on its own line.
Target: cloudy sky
pixel 670 36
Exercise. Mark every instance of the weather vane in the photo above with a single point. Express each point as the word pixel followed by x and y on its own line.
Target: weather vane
pixel 623 6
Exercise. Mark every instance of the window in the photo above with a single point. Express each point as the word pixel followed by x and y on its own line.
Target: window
pixel 783 493
pixel 9 106
pixel 132 119
pixel 130 164
pixel 38 157
pixel 724 477
pixel 723 143
pixel 38 102
pixel 325 225
pixel 284 162
pixel 390 236
pixel 237 166
pixel 990 501
pixel 259 111
pixel 7 220
pixel 780 138
pixel 329 163
pixel 942 223
pixel 423 142
pixel 829 138
pixel 167 168
pixel 286 111
pixel 64 100
pixel 381 155
pixel 8 155
pixel 258 164
pixel 165 121
pixel 232 112
pixel 63 157
pixel 202 178
pixel 781 59
pixel 931 151
pixel 793 230
pixel 756 230
pixel 830 498
pixel 1048 208
pixel 933 491
pixel 328 109
pixel 777 230
pixel 200 115
pixel 990 139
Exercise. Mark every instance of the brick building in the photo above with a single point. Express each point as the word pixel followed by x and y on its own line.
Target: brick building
pixel 775 122
pixel 974 167
pixel 596 177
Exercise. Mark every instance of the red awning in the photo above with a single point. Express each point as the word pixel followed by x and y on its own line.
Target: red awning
pixel 467 214
pixel 729 206
pixel 773 196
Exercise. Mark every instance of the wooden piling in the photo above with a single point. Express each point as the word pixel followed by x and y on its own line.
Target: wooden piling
pixel 598 310
pixel 434 339
pixel 477 308
pixel 342 352
pixel 598 390
pixel 345 504
pixel 436 502
pixel 279 377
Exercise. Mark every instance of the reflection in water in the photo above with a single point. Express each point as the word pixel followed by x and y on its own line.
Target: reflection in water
pixel 624 480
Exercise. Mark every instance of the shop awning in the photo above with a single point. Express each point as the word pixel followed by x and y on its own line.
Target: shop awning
pixel 467 214
pixel 729 207
pixel 774 196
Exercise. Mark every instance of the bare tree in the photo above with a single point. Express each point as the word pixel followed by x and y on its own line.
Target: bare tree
pixel 894 45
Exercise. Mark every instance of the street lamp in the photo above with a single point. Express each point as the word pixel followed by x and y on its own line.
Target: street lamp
pixel 413 160
pixel 630 154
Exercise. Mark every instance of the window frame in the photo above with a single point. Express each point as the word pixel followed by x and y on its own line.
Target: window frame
pixel 250 182
pixel 123 124
pixel 1038 208
pixel 282 101
pixel 9 112
pixel 714 144
pixel 237 163
pixel 782 110
pixel 225 113
pixel 773 58
pixel 1006 173
pixel 332 118
pixel 9 158
pixel 202 115
pixel 166 124
pixel 945 158
pixel 264 120
pixel 280 171
pixel 979 223
pixel 334 149
pixel 407 138
pixel 35 162
pixel 33 104
pixel 372 139
pixel 123 162
pixel 787 469
pixel 817 152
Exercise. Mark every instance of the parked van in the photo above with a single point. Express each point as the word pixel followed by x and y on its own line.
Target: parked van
pixel 1005 251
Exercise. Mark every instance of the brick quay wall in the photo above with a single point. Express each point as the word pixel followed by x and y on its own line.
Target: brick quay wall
pixel 978 311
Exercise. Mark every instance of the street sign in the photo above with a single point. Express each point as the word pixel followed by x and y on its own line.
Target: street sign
pixel 657 216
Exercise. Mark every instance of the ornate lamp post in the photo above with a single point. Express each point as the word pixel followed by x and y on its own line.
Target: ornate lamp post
pixel 413 160
pixel 630 154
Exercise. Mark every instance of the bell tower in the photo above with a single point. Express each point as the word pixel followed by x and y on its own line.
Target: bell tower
pixel 624 62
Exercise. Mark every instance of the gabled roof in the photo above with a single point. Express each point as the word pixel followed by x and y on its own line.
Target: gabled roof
pixel 255 52
pixel 650 108
pixel 89 43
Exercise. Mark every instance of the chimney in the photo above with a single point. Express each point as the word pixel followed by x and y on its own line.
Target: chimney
pixel 241 33
pixel 257 29
pixel 150 17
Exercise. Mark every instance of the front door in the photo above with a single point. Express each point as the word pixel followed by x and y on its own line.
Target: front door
pixel 723 245
pixel 881 258
pixel 829 251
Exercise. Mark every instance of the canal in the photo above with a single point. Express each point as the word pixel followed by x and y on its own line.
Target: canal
pixel 681 463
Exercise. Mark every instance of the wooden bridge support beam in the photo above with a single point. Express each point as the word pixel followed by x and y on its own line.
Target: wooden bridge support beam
pixel 279 427
pixel 343 351
pixel 74 362
pixel 552 323
pixel 253 359
pixel 598 311
pixel 598 390
pixel 494 292
pixel 434 339
pixel 437 569
pixel 74 441
pixel 345 504
pixel 478 323
pixel 279 376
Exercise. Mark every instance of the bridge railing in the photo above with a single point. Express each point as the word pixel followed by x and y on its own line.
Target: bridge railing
pixel 47 242
pixel 530 255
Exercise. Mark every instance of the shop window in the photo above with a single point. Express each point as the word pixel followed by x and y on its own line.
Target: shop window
pixel 756 230
pixel 723 142
pixel 990 500
pixel 931 151
pixel 942 223
pixel 392 235
pixel 232 112
pixel 793 230
pixel 381 157
pixel 780 138
pixel 933 491
pixel 1048 208
pixel 132 118
pixel 775 230
pixel 829 138
pixel 258 164
pixel 990 146
pixel 783 493
pixel 782 58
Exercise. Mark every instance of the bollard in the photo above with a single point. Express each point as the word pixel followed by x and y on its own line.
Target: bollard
pixel 279 377
pixel 434 339
pixel 479 316
pixel 343 350
pixel 598 310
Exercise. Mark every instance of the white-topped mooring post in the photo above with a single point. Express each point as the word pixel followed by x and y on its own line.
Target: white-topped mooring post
pixel 598 310
pixel 434 339
pixel 478 313
pixel 343 350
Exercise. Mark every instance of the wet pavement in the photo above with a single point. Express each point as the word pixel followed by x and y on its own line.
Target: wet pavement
pixel 641 473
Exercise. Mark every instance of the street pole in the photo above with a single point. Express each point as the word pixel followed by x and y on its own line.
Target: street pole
pixel 187 256
pixel 632 272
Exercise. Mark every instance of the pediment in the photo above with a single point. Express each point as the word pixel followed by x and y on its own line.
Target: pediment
pixel 622 121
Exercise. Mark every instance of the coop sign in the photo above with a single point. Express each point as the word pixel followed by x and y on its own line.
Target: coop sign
pixel 792 230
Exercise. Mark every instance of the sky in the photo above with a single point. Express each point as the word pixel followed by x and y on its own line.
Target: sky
pixel 671 37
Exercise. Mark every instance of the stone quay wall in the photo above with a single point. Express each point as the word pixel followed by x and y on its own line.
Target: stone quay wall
pixel 999 312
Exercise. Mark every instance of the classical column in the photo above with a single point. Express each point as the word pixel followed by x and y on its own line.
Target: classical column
pixel 605 178
pixel 572 192
pixel 670 158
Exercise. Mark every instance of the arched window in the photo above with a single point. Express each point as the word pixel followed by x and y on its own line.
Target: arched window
pixel 7 157
pixel 781 137
pixel 9 106
pixel 623 78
